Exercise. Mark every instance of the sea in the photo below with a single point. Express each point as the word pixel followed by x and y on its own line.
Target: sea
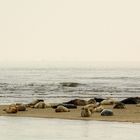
pixel 24 84
pixel 25 128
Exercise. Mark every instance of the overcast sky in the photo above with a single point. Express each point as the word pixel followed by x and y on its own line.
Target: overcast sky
pixel 69 30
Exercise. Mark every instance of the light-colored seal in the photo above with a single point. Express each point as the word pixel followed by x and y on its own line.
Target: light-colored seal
pixel 33 103
pixel 91 107
pixel 108 102
pixel 20 107
pixel 11 110
pixel 85 112
pixel 62 109
pixel 47 105
pixel 99 109
pixel 40 105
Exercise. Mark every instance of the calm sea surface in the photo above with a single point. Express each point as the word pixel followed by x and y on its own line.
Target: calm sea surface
pixel 26 84
pixel 14 128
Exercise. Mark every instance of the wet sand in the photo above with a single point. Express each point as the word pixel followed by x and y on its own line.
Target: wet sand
pixel 131 114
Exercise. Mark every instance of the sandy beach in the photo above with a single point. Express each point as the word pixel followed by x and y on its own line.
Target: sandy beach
pixel 130 114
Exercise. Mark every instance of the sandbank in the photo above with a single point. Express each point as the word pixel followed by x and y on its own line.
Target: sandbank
pixel 131 114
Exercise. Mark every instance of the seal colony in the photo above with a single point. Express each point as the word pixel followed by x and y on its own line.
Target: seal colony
pixel 93 109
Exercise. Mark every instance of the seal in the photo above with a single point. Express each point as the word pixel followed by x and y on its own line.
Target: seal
pixel 91 107
pixel 131 100
pixel 92 101
pixel 21 107
pixel 77 102
pixel 11 110
pixel 85 112
pixel 62 109
pixel 40 105
pixel 99 109
pixel 119 105
pixel 69 106
pixel 33 103
pixel 48 105
pixel 107 112
pixel 108 102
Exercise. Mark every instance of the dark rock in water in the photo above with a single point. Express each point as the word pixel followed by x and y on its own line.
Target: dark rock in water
pixel 69 84
pixel 69 106
pixel 99 99
pixel 107 112
pixel 92 101
pixel 77 102
pixel 31 84
pixel 131 100
pixel 119 105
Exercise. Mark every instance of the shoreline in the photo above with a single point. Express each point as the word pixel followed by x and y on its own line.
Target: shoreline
pixel 130 114
pixel 115 121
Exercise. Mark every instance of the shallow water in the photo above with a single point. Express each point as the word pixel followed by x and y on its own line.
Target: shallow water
pixel 20 128
pixel 26 84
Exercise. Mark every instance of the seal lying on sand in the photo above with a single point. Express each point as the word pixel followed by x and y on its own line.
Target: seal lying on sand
pixel 107 112
pixel 85 112
pixel 11 110
pixel 69 106
pixel 108 102
pixel 131 100
pixel 77 102
pixel 92 101
pixel 119 105
pixel 62 109
pixel 40 105
pixel 21 107
pixel 97 99
pixel 33 103
pixel 91 107
pixel 99 109
pixel 47 105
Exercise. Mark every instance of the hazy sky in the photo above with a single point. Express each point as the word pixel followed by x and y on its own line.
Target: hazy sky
pixel 69 30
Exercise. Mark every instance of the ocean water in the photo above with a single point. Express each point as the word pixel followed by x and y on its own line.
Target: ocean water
pixel 15 128
pixel 26 84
